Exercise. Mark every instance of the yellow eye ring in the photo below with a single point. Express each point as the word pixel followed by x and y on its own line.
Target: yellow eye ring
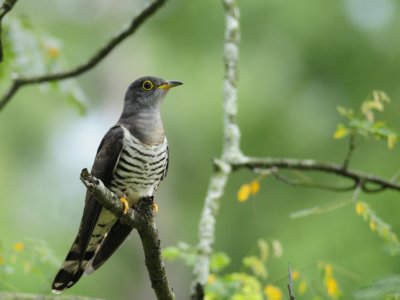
pixel 147 85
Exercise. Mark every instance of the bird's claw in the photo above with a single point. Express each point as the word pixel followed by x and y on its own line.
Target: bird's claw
pixel 154 209
pixel 125 204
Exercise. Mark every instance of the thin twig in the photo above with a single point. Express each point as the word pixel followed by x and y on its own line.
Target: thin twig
pixel 19 82
pixel 290 283
pixel 4 9
pixel 316 185
pixel 313 165
pixel 395 177
pixel 357 191
pixel 145 225
pixel 349 154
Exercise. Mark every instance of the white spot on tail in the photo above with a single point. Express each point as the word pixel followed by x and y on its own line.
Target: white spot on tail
pixel 57 292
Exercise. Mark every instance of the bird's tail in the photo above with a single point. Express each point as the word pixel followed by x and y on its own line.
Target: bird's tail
pixel 73 267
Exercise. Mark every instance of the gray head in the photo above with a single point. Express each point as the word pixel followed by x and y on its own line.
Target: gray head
pixel 146 93
pixel 141 113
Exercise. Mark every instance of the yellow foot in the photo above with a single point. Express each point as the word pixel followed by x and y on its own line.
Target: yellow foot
pixel 125 204
pixel 154 209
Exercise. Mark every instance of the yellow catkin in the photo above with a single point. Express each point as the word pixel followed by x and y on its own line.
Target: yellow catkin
pixel 340 133
pixel 303 287
pixel 360 208
pixel 273 292
pixel 244 193
pixel 254 187
pixel 19 247
pixel 332 287
pixel 295 275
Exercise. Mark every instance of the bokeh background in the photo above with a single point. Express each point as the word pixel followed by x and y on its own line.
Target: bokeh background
pixel 299 61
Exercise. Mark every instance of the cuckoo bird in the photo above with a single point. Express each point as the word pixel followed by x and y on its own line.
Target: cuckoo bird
pixel 131 160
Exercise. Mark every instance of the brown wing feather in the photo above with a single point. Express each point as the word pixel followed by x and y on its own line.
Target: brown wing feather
pixel 103 166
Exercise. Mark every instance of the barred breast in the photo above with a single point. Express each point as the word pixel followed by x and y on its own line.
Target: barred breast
pixel 139 169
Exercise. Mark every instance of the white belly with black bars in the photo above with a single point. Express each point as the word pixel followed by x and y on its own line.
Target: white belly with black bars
pixel 139 168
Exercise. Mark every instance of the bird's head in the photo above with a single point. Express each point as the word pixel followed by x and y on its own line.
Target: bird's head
pixel 148 92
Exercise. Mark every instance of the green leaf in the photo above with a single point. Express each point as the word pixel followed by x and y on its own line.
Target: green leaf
pixel 183 252
pixel 341 132
pixel 219 260
pixel 345 112
pixel 277 248
pixel 264 249
pixel 256 265
pixel 171 253
pixel 235 286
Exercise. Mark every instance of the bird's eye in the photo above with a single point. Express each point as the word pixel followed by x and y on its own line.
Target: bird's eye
pixel 147 85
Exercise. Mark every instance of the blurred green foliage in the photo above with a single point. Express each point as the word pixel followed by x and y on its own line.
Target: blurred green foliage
pixel 299 61
pixel 29 257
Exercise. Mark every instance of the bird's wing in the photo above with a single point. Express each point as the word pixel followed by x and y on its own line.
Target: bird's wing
pixel 103 166
pixel 166 166
pixel 110 244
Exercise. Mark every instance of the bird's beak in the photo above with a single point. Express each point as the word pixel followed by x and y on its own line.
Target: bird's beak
pixel 169 84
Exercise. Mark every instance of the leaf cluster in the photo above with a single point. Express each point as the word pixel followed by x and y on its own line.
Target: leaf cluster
pixel 29 52
pixel 365 123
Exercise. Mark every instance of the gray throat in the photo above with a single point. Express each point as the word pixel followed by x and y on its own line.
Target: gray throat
pixel 145 125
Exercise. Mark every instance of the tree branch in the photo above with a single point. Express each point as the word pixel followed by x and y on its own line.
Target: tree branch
pixel 207 228
pixel 4 9
pixel 312 165
pixel 155 266
pixel 144 223
pixel 231 151
pixel 19 82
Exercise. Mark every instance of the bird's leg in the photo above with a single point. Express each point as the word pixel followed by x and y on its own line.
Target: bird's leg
pixel 124 203
pixel 147 205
